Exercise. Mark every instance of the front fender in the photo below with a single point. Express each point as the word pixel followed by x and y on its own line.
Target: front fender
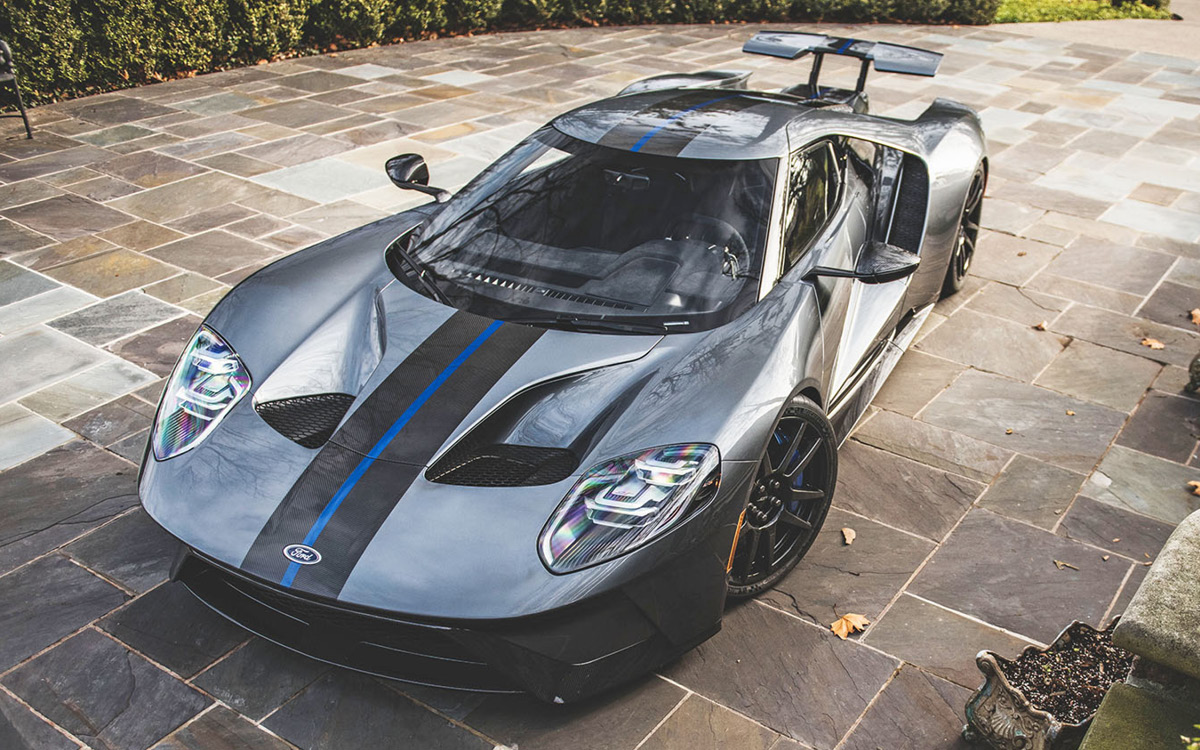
pixel 726 386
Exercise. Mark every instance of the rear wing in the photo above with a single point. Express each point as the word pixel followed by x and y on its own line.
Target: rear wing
pixel 887 58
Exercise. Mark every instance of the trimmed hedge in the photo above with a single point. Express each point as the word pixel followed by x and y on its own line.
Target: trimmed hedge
pixel 1026 11
pixel 66 48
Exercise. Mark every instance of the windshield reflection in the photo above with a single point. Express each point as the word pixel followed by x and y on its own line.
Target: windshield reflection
pixel 564 231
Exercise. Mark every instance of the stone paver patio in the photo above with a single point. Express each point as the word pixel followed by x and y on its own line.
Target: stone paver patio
pixel 995 450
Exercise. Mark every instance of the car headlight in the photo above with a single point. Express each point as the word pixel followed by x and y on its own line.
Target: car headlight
pixel 622 504
pixel 207 381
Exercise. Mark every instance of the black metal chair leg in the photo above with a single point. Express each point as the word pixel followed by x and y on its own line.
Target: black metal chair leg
pixel 21 107
pixel 8 74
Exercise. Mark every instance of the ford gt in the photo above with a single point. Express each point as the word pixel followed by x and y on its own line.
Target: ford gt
pixel 534 435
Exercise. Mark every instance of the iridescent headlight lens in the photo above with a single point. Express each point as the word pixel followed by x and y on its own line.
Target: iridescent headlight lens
pixel 208 380
pixel 621 504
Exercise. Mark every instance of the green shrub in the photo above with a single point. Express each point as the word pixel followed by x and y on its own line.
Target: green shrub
pixel 66 47
pixel 525 13
pixel 914 11
pixel 470 15
pixel 362 22
pixel 261 29
pixel 49 44
pixel 70 47
pixel 1024 11
pixel 413 18
pixel 353 21
pixel 760 10
pixel 195 41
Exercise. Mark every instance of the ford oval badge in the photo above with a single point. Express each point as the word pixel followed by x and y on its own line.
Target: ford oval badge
pixel 302 554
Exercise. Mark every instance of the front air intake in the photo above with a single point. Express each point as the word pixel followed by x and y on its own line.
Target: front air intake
pixel 502 465
pixel 307 420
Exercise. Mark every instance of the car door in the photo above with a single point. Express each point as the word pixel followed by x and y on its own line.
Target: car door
pixel 872 310
pixel 825 223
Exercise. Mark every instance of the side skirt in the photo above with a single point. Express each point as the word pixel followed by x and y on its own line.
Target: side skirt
pixel 846 412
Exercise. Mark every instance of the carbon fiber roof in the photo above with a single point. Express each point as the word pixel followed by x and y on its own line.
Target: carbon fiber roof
pixel 703 123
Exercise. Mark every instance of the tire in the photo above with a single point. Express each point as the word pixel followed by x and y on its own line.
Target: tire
pixel 968 235
pixel 788 501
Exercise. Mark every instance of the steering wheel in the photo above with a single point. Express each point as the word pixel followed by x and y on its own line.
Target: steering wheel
pixel 723 238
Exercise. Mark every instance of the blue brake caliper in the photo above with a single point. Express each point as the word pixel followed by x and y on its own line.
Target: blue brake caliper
pixel 780 439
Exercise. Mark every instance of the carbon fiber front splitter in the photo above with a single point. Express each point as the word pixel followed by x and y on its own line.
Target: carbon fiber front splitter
pixel 561 656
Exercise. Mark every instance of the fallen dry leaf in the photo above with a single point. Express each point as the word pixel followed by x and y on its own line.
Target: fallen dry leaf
pixel 1070 413
pixel 1153 343
pixel 1105 558
pixel 1040 326
pixel 847 624
pixel 1060 565
pixel 1008 431
pixel 1020 253
pixel 1195 487
pixel 1195 313
pixel 1116 538
pixel 849 535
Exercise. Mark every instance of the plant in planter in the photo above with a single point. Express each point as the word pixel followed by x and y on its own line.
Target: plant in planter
pixel 1045 698
pixel 1191 743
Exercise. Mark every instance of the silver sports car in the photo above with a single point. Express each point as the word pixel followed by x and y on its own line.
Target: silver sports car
pixel 532 436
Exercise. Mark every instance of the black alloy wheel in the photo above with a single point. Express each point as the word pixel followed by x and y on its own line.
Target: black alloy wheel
pixel 788 501
pixel 968 235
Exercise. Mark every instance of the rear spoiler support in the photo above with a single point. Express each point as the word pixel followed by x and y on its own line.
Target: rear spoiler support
pixel 887 58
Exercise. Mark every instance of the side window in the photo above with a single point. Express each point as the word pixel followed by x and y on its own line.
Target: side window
pixel 813 183
pixel 862 155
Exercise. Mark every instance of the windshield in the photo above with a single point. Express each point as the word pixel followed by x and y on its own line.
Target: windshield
pixel 563 231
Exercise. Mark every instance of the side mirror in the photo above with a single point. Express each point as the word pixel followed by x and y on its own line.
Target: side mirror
pixel 880 263
pixel 409 172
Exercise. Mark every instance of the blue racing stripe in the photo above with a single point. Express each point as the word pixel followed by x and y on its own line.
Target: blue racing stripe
pixel 654 131
pixel 377 451
pixel 845 46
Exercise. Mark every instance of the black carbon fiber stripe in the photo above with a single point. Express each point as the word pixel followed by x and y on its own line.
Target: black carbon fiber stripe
pixel 300 508
pixel 675 136
pixel 374 498
pixel 375 493
pixel 628 131
pixel 354 526
pixel 380 410
pixel 671 136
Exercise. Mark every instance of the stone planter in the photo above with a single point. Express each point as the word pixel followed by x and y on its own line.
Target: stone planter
pixel 1000 715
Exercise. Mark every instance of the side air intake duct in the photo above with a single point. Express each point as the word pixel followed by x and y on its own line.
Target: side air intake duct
pixel 307 420
pixel 501 465
pixel 908 222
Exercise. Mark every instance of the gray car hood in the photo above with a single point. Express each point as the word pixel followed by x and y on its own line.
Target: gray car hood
pixel 247 491
pixel 334 319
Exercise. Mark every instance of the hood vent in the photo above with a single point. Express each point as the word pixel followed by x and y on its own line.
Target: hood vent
pixel 503 465
pixel 307 420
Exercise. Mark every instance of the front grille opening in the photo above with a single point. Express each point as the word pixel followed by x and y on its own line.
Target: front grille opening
pixel 307 420
pixel 422 653
pixel 503 465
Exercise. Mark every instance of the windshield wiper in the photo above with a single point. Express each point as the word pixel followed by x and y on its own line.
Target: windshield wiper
pixel 584 324
pixel 425 274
